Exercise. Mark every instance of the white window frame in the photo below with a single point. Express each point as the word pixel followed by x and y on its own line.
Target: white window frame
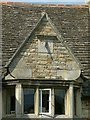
pixel 40 106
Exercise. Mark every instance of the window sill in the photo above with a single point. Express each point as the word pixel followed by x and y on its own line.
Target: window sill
pixel 61 116
pixel 9 115
pixel 29 116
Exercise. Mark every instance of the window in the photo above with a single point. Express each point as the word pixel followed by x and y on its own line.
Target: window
pixel 45 101
pixel 28 101
pixel 12 104
pixel 10 101
pixel 59 101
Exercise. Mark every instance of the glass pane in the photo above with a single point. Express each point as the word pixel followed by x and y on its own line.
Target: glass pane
pixel 12 104
pixel 59 101
pixel 28 101
pixel 10 100
pixel 45 101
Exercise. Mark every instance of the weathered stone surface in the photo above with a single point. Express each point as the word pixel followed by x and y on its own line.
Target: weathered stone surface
pixel 86 108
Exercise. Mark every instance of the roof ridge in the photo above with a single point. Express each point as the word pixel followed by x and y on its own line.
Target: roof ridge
pixel 47 5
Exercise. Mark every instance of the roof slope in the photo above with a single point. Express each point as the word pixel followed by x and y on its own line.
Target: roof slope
pixel 18 20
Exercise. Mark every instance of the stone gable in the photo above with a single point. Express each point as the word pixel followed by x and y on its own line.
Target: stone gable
pixel 44 56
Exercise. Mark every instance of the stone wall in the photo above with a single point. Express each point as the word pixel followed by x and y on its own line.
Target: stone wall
pixel 86 108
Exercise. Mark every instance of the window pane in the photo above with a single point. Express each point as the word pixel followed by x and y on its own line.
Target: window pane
pixel 10 101
pixel 12 104
pixel 59 101
pixel 45 101
pixel 28 101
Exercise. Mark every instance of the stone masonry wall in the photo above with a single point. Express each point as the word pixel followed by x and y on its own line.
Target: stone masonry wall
pixel 86 108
